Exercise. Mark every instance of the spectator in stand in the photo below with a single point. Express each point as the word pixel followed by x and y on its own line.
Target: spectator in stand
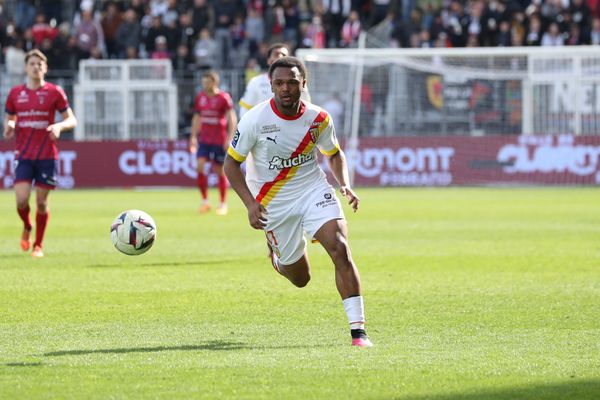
pixel 580 14
pixel 15 59
pixel 172 14
pixel 335 13
pixel 255 27
pixel 504 34
pixel 553 36
pixel 157 29
pixel 457 24
pixel 186 35
pixel 205 50
pixel 534 34
pixel 128 35
pixel 52 9
pixel 314 34
pixel 239 45
pixel 88 34
pixel 351 30
pixel 203 15
pixel 161 51
pixel 575 37
pixel 111 21
pixel 291 15
pixel 595 32
pixel 225 11
pixel 42 30
pixel 24 14
pixel 158 8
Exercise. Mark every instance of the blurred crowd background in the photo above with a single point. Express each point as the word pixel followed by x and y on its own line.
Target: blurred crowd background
pixel 234 34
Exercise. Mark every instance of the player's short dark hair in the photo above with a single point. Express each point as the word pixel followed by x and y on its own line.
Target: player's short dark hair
pixel 288 62
pixel 36 53
pixel 274 46
pixel 211 73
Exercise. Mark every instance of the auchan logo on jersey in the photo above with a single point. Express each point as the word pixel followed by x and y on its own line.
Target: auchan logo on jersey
pixel 281 163
pixel 550 154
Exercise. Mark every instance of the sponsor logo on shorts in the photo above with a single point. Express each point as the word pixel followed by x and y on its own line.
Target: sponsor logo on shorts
pixel 281 163
pixel 329 201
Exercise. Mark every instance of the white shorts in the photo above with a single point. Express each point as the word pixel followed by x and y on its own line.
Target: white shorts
pixel 287 224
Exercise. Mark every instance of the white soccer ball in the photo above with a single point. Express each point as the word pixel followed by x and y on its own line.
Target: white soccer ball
pixel 133 232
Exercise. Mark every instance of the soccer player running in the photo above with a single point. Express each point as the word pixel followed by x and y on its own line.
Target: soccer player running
pixel 259 87
pixel 30 112
pixel 285 191
pixel 213 125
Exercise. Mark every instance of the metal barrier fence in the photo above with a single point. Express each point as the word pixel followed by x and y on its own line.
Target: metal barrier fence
pixel 186 83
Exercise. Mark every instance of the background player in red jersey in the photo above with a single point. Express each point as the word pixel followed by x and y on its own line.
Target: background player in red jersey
pixel 30 112
pixel 213 126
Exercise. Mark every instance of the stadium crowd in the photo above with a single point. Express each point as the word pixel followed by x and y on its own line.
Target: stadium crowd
pixel 234 34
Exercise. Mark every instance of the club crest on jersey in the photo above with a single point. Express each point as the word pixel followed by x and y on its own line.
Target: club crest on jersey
pixel 281 163
pixel 314 133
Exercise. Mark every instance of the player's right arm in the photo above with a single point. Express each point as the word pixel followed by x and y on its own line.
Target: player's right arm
pixel 10 121
pixel 256 212
pixel 243 141
pixel 196 123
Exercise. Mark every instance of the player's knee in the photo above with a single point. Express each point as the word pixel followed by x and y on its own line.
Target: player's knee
pixel 340 252
pixel 22 203
pixel 42 207
pixel 301 281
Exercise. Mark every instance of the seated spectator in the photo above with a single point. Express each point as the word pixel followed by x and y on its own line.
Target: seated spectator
pixel 88 34
pixel 205 50
pixel 595 32
pixel 42 30
pixel 351 30
pixel 161 51
pixel 553 36
pixel 129 34
pixel 111 21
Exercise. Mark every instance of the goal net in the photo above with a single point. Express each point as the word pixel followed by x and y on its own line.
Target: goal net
pixel 485 98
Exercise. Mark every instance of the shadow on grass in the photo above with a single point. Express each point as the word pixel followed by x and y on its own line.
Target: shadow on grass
pixel 216 345
pixel 167 264
pixel 574 389
pixel 24 364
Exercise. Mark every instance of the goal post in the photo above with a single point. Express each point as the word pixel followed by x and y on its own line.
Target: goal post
pixel 462 91
pixel 125 99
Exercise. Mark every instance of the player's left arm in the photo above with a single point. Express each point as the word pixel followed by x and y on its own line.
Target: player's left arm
pixel 10 121
pixel 231 127
pixel 339 168
pixel 69 122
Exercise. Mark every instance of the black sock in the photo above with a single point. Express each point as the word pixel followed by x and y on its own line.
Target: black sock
pixel 358 333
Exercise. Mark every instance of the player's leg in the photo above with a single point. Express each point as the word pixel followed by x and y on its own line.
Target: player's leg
pixel 22 193
pixel 41 219
pixel 219 159
pixel 23 177
pixel 287 248
pixel 333 236
pixel 202 178
pixel 46 175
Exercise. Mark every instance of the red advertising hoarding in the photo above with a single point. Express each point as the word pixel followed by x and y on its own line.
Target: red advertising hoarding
pixel 389 161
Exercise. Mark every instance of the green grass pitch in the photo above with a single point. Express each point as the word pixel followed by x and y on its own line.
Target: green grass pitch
pixel 470 293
